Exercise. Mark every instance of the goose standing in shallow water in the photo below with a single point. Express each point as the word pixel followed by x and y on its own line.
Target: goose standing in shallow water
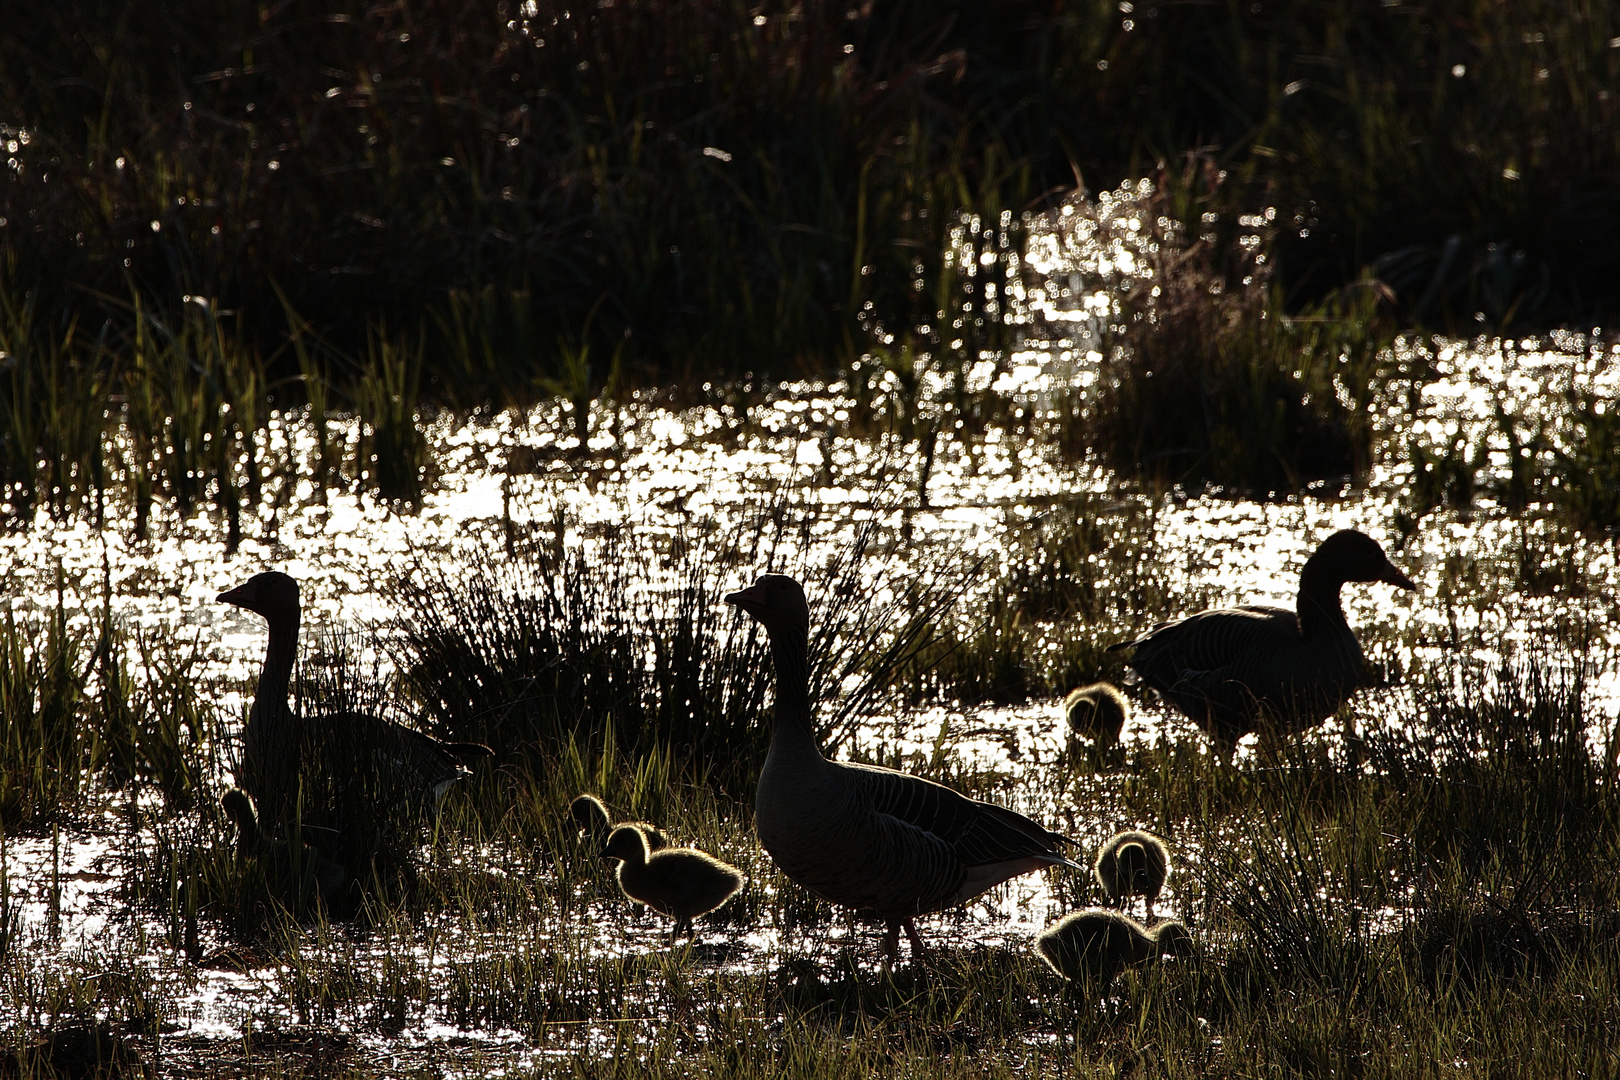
pixel 867 837
pixel 591 816
pixel 680 882
pixel 1133 863
pixel 1097 944
pixel 1259 668
pixel 411 765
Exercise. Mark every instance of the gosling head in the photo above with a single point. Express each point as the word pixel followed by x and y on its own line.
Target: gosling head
pixel 627 844
pixel 776 602
pixel 1133 868
pixel 1098 711
pixel 271 594
pixel 1174 938
pixel 590 815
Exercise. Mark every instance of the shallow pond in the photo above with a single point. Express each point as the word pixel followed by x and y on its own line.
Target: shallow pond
pixel 1499 587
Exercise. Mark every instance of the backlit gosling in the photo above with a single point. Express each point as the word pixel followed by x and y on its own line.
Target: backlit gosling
pixel 1098 712
pixel 285 874
pixel 591 816
pixel 683 883
pixel 1097 944
pixel 1133 863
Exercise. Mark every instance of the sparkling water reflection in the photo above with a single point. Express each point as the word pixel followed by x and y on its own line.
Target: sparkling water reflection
pixel 701 475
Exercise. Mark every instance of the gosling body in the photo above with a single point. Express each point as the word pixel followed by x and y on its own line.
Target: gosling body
pixel 1098 712
pixel 682 883
pixel 1133 863
pixel 1096 944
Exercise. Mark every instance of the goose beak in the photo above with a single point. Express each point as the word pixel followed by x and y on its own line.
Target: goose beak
pixel 751 600
pixel 233 596
pixel 1394 577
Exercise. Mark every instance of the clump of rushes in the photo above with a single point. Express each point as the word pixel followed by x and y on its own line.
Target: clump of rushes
pixel 1206 382
pixel 568 644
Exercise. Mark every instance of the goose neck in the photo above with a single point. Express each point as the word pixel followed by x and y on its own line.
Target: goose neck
pixel 1318 605
pixel 270 698
pixel 792 727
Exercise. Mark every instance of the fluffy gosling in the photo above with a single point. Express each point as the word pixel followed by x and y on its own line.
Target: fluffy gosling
pixel 682 883
pixel 591 816
pixel 1133 863
pixel 1098 712
pixel 1097 944
pixel 285 874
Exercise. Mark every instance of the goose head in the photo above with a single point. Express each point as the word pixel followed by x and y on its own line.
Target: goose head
pixel 1349 555
pixel 776 602
pixel 271 594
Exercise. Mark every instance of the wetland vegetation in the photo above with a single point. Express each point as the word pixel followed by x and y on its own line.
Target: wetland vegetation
pixel 521 334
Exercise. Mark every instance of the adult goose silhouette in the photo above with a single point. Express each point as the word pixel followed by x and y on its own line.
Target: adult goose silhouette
pixel 389 761
pixel 1259 668
pixel 1097 944
pixel 867 837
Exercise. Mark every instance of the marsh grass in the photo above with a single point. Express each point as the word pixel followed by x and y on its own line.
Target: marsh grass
pixel 695 197
pixel 1456 883
pixel 1207 380
pixel 1561 467
pixel 1066 587
pixel 562 645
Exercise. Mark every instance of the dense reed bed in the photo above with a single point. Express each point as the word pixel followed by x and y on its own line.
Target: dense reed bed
pixel 207 213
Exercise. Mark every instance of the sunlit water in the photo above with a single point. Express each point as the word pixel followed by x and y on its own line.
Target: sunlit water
pixel 701 475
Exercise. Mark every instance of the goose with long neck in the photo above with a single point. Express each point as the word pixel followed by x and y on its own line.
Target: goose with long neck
pixel 867 837
pixel 1260 668
pixel 275 735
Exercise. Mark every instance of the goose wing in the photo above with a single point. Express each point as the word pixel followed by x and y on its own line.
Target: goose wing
pixel 402 756
pixel 975 833
pixel 910 846
pixel 1211 641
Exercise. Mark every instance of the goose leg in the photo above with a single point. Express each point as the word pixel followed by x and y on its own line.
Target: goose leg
pixel 891 940
pixel 918 949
